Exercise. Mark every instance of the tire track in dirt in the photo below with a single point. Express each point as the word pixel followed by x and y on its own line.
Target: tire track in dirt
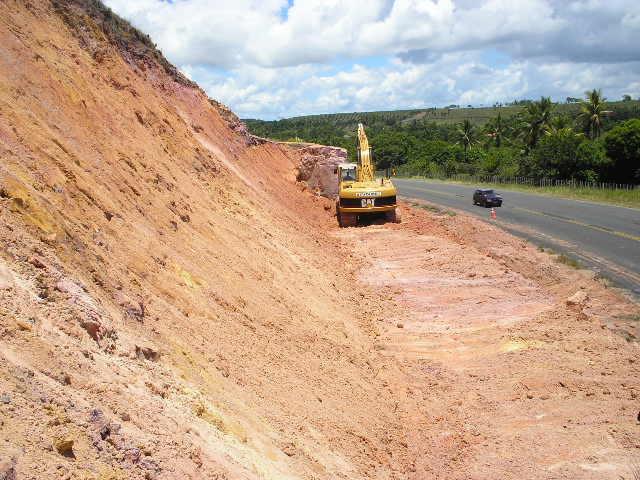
pixel 455 295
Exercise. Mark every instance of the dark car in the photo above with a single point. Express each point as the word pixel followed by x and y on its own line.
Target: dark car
pixel 487 198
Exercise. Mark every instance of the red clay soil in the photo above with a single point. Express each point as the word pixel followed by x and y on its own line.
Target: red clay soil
pixel 527 368
pixel 170 306
pixel 173 304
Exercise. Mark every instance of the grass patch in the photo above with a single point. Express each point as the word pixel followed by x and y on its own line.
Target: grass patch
pixel 630 317
pixel 431 208
pixel 434 209
pixel 562 258
pixel 604 280
pixel 565 260
pixel 624 198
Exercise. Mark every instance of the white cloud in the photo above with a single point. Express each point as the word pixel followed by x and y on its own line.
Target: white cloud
pixel 318 56
pixel 224 34
pixel 453 79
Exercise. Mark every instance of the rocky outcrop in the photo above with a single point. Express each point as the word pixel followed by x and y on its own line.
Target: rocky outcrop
pixel 317 167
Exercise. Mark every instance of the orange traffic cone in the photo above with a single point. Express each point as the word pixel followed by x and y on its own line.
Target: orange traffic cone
pixel 493 214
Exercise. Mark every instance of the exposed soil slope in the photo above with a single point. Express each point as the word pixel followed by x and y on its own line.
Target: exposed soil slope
pixel 173 304
pixel 168 306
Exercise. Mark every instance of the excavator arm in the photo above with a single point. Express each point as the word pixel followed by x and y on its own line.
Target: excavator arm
pixel 366 170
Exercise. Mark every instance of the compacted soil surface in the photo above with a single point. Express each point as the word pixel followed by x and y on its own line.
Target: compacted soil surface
pixel 526 367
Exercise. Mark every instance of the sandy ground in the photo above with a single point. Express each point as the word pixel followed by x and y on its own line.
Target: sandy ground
pixel 174 305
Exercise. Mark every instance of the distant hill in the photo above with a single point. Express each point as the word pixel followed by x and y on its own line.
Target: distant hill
pixel 430 139
pixel 316 128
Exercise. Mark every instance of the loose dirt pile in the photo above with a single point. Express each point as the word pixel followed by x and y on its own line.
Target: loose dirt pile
pixel 172 305
pixel 317 167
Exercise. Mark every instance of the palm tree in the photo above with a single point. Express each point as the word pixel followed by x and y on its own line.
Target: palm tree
pixel 495 130
pixel 560 125
pixel 593 113
pixel 535 121
pixel 466 136
pixel 559 122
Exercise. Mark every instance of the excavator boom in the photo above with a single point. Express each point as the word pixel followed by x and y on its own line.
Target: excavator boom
pixel 366 171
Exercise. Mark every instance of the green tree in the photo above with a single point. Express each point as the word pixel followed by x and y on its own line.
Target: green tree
pixel 622 144
pixel 500 161
pixel 626 98
pixel 593 112
pixel 592 163
pixel 391 148
pixel 559 123
pixel 555 155
pixel 535 120
pixel 509 161
pixel 473 162
pixel 466 134
pixel 495 130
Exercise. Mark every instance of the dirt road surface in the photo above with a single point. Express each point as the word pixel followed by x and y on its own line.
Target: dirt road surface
pixel 515 382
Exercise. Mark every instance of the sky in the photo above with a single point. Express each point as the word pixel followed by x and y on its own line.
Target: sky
pixel 272 59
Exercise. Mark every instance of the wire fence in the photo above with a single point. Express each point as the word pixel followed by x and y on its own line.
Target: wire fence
pixel 533 182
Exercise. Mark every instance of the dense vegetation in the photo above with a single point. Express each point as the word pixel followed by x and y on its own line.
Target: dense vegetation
pixel 90 20
pixel 588 140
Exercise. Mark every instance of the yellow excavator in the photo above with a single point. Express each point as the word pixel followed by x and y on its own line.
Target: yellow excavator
pixel 360 193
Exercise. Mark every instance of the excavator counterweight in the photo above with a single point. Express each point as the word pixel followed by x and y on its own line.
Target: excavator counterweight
pixel 359 192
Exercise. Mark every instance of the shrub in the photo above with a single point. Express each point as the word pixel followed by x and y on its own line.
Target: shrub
pixel 501 161
pixel 622 144
pixel 92 17
pixel 555 154
pixel 592 163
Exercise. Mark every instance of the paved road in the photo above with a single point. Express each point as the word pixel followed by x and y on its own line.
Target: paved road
pixel 602 237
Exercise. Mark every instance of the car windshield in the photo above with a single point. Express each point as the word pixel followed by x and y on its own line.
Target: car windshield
pixel 488 192
pixel 349 174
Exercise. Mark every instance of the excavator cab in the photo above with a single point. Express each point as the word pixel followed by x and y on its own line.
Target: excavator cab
pixel 347 172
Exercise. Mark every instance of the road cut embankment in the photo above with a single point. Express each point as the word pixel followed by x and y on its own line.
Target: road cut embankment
pixel 176 303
